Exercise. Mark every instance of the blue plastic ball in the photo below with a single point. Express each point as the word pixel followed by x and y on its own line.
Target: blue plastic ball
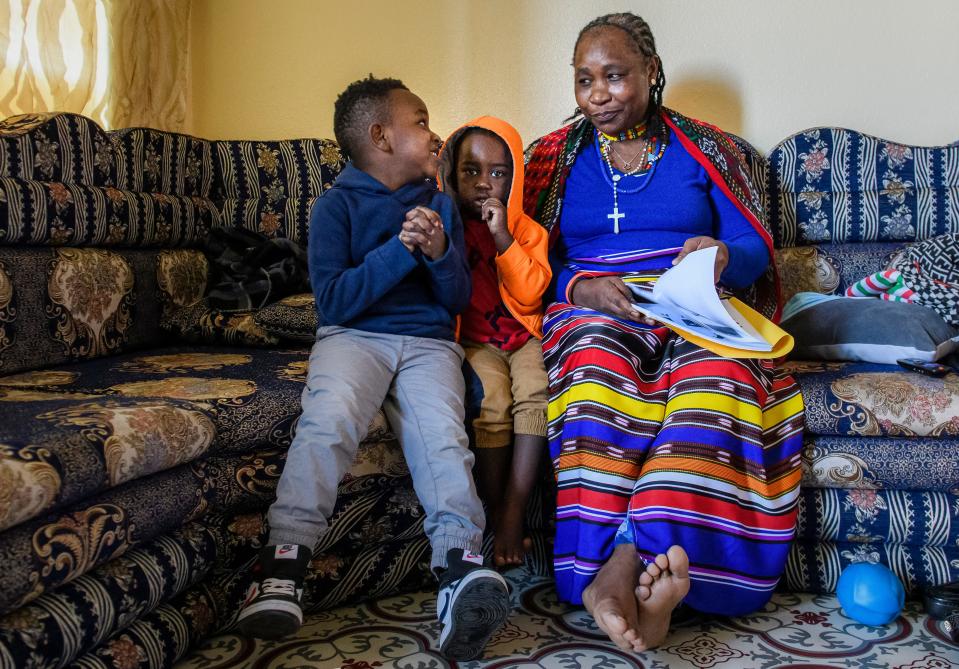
pixel 870 593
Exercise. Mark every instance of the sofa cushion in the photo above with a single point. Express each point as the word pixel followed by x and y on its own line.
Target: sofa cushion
pixel 182 282
pixel 182 276
pixel 293 318
pixel 155 161
pixel 869 330
pixel 830 268
pixel 869 399
pixel 815 566
pixel 914 517
pixel 269 187
pixel 201 324
pixel 40 554
pixel 60 213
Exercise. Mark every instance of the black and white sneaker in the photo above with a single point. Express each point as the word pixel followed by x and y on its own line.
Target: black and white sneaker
pixel 271 609
pixel 472 603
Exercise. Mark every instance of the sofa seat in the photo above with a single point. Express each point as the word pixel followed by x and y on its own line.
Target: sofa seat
pixel 252 395
pixel 51 549
pixel 163 544
pixel 156 599
pixel 880 475
pixel 134 477
pixel 874 400
pixel 891 463
pixel 59 448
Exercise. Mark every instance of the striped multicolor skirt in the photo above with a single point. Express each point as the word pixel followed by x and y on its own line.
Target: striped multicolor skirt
pixel 683 446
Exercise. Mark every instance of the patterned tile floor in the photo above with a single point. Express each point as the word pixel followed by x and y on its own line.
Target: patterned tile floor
pixel 793 632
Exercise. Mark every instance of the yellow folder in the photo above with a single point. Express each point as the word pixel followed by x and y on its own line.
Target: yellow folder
pixel 782 341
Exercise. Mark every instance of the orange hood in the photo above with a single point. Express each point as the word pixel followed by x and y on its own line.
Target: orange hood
pixel 507 133
pixel 523 269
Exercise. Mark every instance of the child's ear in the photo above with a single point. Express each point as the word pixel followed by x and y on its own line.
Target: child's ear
pixel 379 137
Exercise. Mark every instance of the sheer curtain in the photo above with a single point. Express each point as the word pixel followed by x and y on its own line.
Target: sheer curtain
pixel 121 62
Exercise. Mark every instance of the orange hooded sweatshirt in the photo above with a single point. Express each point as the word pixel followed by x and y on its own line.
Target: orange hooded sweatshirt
pixel 523 269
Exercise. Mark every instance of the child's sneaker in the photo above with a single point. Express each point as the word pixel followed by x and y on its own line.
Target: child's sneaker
pixel 472 603
pixel 272 606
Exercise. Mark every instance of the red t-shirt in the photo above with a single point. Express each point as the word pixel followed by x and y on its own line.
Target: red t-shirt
pixel 486 319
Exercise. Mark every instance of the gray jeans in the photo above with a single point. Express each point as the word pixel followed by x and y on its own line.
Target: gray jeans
pixel 419 383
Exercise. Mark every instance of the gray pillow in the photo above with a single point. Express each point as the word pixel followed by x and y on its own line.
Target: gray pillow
pixel 830 327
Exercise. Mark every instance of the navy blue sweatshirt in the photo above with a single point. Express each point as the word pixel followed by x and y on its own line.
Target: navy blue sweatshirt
pixel 363 276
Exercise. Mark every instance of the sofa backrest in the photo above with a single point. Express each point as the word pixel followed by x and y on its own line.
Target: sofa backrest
pixel 841 204
pixel 154 161
pixel 100 232
pixel 264 186
pixel 60 147
pixel 838 186
pixel 270 186
pixel 66 182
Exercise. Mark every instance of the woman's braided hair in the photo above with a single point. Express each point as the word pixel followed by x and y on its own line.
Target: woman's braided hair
pixel 641 37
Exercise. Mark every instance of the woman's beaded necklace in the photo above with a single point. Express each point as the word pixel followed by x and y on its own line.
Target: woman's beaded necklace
pixel 652 152
pixel 635 132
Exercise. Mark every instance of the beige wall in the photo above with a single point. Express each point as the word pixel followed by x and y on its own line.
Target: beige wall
pixel 761 68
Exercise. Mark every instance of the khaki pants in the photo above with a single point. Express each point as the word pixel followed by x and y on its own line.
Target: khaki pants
pixel 514 392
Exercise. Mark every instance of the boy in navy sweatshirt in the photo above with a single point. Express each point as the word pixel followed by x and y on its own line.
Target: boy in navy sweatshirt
pixel 388 269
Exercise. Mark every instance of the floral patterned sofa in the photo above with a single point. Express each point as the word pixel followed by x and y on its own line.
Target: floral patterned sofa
pixel 881 456
pixel 141 432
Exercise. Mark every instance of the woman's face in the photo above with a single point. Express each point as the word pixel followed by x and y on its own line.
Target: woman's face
pixel 612 79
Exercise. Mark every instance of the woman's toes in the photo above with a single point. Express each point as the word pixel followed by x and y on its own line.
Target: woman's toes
pixel 678 562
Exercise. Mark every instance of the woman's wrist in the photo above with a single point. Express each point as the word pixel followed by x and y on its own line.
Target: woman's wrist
pixel 578 283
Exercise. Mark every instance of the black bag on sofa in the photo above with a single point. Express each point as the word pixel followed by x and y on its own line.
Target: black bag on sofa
pixel 249 270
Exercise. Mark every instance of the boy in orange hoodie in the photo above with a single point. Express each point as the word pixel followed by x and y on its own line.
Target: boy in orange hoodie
pixel 481 167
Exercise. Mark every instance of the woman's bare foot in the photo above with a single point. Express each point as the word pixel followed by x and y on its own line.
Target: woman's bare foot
pixel 661 588
pixel 611 600
pixel 510 546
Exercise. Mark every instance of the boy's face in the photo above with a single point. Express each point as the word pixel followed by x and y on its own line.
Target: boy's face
pixel 415 146
pixel 483 170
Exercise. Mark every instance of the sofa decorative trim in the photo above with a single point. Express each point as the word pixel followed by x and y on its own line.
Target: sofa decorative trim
pixel 29 483
pixel 8 310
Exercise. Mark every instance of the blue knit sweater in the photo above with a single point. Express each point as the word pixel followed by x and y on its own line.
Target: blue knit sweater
pixel 363 276
pixel 674 202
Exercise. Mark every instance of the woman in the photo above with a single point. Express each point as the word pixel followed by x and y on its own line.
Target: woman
pixel 665 453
